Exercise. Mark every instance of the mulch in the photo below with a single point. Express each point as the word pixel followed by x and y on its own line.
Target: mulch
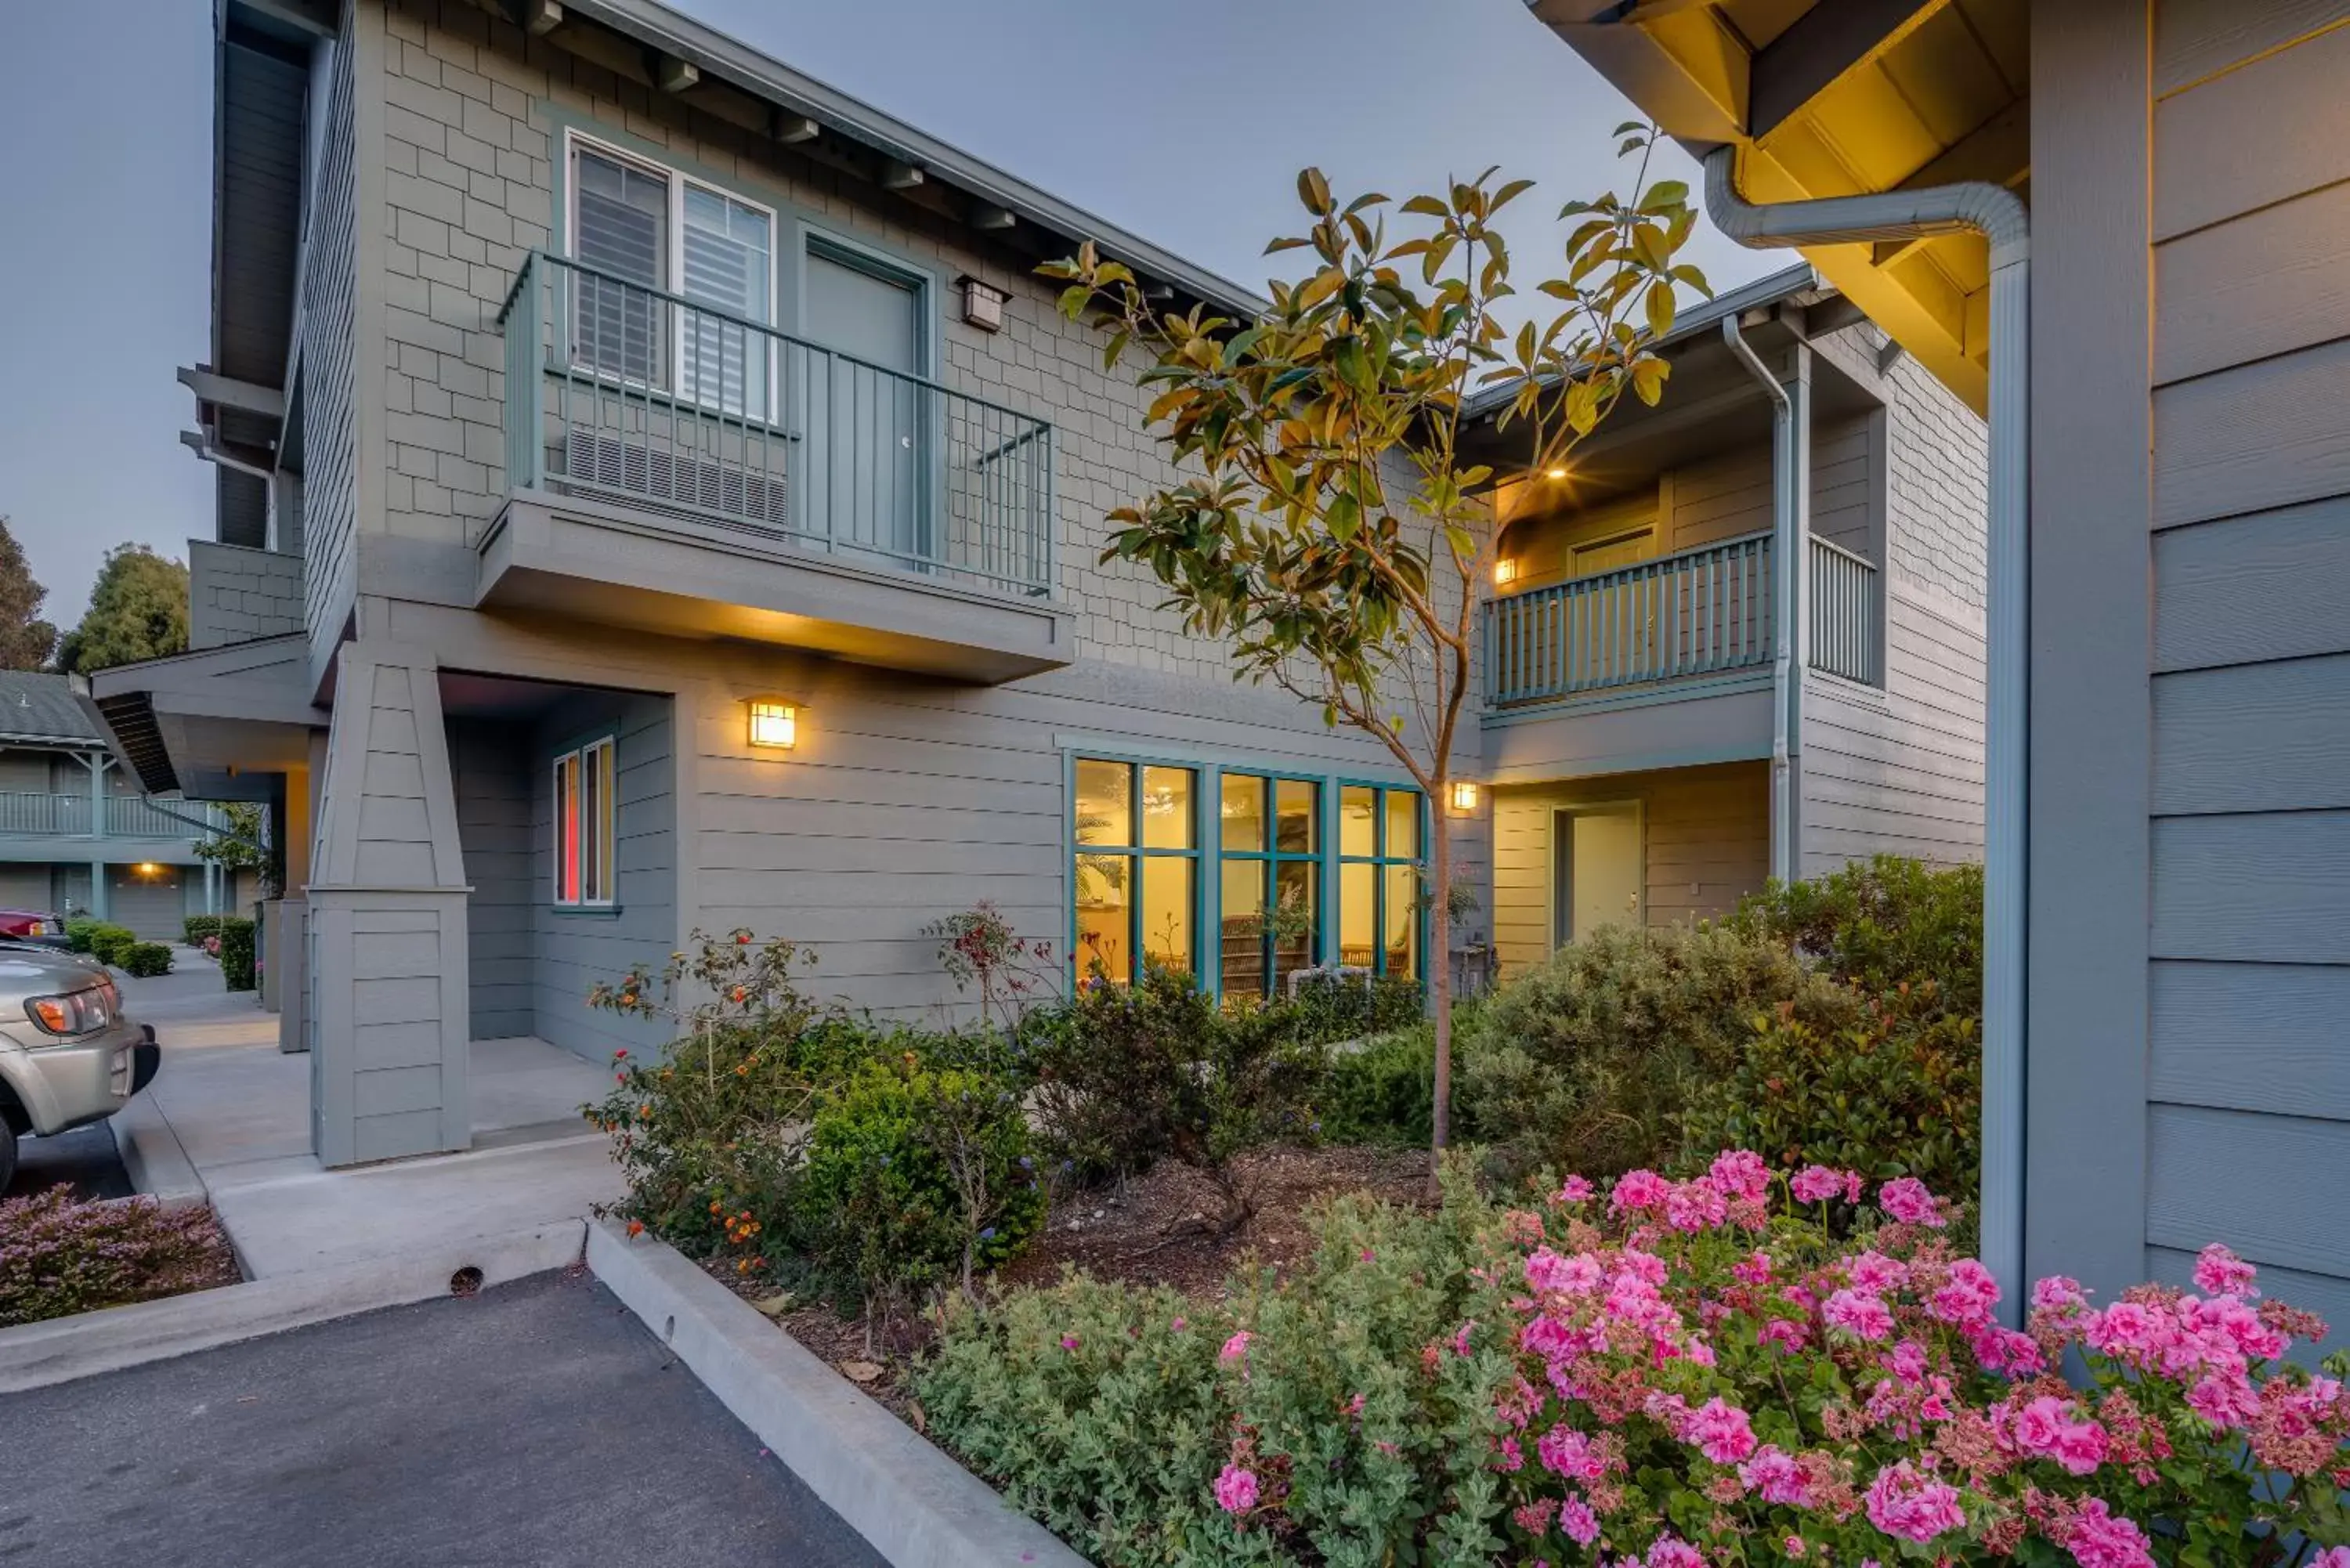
pixel 1152 1230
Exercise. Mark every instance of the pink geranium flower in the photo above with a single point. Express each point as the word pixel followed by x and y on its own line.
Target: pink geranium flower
pixel 1905 1199
pixel 2103 1539
pixel 1858 1314
pixel 1235 1489
pixel 1903 1502
pixel 2221 1272
pixel 1720 1431
pixel 1235 1348
pixel 1816 1184
pixel 1580 1525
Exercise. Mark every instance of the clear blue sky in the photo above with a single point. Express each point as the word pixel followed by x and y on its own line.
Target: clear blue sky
pixel 1184 123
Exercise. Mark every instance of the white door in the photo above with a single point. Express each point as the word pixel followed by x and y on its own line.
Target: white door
pixel 870 438
pixel 1599 873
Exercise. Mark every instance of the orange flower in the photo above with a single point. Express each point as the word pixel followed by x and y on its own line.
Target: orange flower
pixel 636 1227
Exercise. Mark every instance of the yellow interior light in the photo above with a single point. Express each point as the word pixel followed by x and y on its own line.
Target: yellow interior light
pixel 775 723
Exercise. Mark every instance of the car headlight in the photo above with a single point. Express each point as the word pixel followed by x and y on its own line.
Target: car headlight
pixel 73 1012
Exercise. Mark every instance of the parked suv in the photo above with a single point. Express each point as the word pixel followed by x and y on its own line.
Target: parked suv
pixel 68 1055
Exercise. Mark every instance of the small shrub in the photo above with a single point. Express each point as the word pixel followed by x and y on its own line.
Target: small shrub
pixel 78 932
pixel 237 953
pixel 1889 921
pixel 1587 1063
pixel 912 1179
pixel 144 960
pixel 979 947
pixel 59 1255
pixel 1898 1094
pixel 196 927
pixel 1385 1092
pixel 109 942
pixel 1130 1075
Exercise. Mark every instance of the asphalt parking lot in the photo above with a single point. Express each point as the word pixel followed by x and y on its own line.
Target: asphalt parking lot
pixel 537 1423
pixel 85 1158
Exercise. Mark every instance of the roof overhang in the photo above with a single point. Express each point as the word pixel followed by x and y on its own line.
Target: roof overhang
pixel 1841 98
pixel 198 723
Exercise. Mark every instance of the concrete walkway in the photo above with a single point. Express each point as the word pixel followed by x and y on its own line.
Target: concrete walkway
pixel 535 1424
pixel 235 1110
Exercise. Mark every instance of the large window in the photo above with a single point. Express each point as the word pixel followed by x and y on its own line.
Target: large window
pixel 584 873
pixel 1269 843
pixel 1135 868
pixel 645 231
pixel 1378 879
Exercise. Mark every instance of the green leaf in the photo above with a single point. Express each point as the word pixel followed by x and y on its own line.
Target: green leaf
pixel 1293 242
pixel 1115 347
pixel 1428 207
pixel 1313 191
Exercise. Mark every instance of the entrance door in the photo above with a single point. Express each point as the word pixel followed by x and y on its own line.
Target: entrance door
pixel 870 437
pixel 1599 876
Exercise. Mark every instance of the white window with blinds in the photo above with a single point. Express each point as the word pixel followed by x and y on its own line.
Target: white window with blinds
pixel 670 273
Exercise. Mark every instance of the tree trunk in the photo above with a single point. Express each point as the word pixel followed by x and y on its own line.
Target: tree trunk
pixel 1440 980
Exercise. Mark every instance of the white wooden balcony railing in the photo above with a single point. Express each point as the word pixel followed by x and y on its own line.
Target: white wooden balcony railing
pixel 1697 612
pixel 31 815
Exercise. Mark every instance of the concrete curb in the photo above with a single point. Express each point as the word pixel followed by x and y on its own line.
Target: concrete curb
pixel 36 1355
pixel 912 1503
pixel 153 1157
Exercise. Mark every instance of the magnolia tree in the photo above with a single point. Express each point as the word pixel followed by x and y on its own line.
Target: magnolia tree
pixel 1331 527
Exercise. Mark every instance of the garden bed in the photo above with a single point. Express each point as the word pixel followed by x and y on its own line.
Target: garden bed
pixel 1145 1233
pixel 60 1255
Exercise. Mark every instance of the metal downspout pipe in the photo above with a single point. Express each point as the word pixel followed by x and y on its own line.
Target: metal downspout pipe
pixel 1785 548
pixel 1999 215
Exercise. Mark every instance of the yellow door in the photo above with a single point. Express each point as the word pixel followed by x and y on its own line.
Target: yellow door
pixel 1599 868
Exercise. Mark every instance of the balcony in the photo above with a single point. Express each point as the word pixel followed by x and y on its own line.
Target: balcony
pixel 686 470
pixel 27 816
pixel 1670 659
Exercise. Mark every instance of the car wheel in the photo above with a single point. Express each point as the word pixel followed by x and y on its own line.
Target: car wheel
pixel 7 1157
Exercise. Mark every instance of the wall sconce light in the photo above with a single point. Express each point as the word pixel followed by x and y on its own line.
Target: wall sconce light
pixel 1553 474
pixel 983 304
pixel 147 869
pixel 1505 571
pixel 774 722
pixel 1464 796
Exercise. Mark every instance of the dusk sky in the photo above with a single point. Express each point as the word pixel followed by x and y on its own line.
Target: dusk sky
pixel 1184 123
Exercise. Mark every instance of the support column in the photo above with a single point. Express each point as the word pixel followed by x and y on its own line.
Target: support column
pixel 1795 596
pixel 386 1012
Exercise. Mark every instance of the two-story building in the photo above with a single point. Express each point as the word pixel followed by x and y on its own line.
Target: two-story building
pixel 78 838
pixel 657 494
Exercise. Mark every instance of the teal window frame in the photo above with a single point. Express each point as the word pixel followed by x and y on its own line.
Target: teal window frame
pixel 1380 859
pixel 1139 854
pixel 1271 858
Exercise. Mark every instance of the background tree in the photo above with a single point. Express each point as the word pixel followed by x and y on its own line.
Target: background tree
pixel 26 641
pixel 1331 531
pixel 245 843
pixel 139 609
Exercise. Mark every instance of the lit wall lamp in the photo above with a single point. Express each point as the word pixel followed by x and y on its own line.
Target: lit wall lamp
pixel 1505 571
pixel 1464 798
pixel 774 722
pixel 148 868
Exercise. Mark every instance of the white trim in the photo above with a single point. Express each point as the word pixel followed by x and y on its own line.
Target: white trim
pixel 605 829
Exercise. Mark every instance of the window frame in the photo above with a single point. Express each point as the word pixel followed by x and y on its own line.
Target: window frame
pixel 1073 852
pixel 1380 859
pixel 1272 858
pixel 570 839
pixel 672 357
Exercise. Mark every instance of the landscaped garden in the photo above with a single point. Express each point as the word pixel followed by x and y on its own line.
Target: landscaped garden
pixel 1695 1290
pixel 60 1254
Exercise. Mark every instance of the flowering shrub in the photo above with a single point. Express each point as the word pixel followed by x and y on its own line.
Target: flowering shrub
pixel 1670 1375
pixel 59 1255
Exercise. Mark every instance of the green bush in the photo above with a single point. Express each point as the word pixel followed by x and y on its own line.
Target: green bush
pixel 77 933
pixel 1107 1411
pixel 1883 924
pixel 912 1179
pixel 1585 1063
pixel 61 1255
pixel 237 953
pixel 109 942
pixel 1385 1093
pixel 1898 1094
pixel 144 960
pixel 1128 1076
pixel 196 927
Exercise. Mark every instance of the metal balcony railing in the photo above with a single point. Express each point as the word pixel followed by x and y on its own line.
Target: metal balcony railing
pixel 1695 612
pixel 1843 613
pixel 634 394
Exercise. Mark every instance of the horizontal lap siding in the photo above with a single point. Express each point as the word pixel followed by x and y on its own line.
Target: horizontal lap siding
pixel 2249 1131
pixel 1899 770
pixel 1708 845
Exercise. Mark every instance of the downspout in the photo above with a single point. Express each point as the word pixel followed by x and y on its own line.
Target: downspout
pixel 1784 674
pixel 1999 215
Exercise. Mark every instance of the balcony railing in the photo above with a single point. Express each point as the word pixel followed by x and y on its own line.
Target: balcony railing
pixel 62 815
pixel 1696 612
pixel 1843 613
pixel 630 393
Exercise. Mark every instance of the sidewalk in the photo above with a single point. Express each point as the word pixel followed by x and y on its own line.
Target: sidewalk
pixel 236 1109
